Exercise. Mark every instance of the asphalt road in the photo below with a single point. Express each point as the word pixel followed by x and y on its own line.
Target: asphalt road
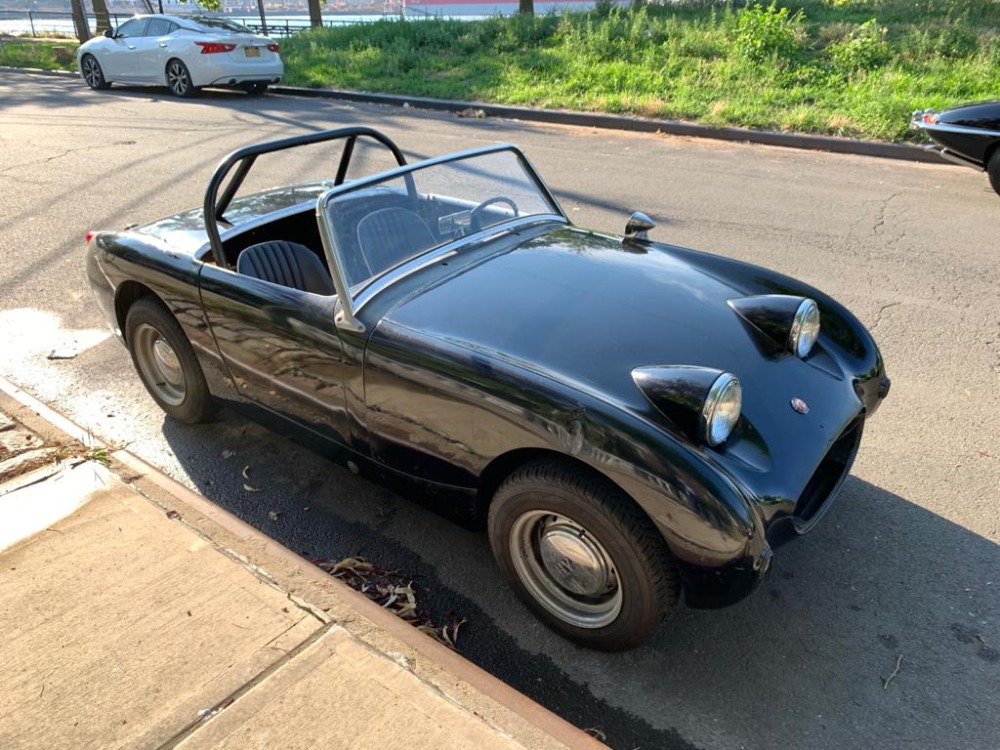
pixel 907 563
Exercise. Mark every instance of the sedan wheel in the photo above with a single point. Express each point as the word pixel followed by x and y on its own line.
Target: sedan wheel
pixel 166 363
pixel 580 553
pixel 993 169
pixel 179 79
pixel 92 73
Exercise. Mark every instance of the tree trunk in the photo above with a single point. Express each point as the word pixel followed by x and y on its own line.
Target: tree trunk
pixel 80 20
pixel 315 15
pixel 103 17
pixel 527 7
pixel 263 20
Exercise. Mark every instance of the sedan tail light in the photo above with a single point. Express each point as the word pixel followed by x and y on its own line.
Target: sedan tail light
pixel 273 47
pixel 212 48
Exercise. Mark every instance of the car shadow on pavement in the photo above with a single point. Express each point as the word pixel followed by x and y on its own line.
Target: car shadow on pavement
pixel 882 584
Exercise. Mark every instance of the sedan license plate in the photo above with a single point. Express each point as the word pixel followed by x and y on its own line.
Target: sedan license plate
pixel 252 51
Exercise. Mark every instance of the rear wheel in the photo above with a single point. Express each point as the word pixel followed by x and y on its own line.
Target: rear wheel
pixel 166 363
pixel 583 557
pixel 179 79
pixel 92 73
pixel 993 169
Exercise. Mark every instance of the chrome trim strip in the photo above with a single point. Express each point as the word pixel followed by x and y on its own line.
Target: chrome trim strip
pixel 964 129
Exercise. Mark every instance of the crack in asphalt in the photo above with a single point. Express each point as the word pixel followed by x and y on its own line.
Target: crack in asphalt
pixel 880 312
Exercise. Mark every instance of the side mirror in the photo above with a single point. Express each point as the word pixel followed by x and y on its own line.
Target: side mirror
pixel 638 226
pixel 109 33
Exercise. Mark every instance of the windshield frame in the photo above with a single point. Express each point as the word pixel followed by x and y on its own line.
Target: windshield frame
pixel 350 301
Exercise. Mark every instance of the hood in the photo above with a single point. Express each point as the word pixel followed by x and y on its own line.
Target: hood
pixel 584 309
pixel 185 232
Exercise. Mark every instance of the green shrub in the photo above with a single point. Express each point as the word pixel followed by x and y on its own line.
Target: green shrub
pixel 763 33
pixel 864 48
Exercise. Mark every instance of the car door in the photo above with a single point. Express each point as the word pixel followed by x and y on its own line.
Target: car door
pixel 119 59
pixel 280 346
pixel 152 49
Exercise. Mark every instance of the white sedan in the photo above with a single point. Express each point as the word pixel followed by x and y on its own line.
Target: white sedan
pixel 182 53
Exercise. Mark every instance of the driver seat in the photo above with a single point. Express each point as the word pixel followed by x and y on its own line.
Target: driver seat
pixel 391 235
pixel 288 264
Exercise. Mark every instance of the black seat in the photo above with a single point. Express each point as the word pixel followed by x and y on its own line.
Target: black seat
pixel 286 263
pixel 391 235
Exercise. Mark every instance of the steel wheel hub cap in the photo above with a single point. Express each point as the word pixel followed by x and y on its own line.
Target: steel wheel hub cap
pixel 565 569
pixel 573 560
pixel 159 365
pixel 166 359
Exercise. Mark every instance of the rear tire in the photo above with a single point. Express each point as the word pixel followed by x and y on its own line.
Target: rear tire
pixel 93 74
pixel 166 363
pixel 179 80
pixel 993 170
pixel 582 556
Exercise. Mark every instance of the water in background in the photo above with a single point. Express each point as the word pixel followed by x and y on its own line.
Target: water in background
pixel 20 22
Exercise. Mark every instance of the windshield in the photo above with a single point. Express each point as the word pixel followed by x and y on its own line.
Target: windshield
pixel 380 224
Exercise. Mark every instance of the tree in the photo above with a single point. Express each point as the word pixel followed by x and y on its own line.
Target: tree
pixel 80 20
pixel 315 14
pixel 527 7
pixel 103 17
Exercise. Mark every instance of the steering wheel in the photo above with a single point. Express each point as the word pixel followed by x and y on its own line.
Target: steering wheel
pixel 477 213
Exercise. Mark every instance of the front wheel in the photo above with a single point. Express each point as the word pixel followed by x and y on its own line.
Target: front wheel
pixel 166 363
pixel 993 169
pixel 583 557
pixel 179 80
pixel 92 73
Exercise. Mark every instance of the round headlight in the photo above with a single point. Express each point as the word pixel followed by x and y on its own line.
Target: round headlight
pixel 722 409
pixel 805 328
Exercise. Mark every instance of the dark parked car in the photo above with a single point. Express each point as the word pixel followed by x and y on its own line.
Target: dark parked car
pixel 967 135
pixel 632 420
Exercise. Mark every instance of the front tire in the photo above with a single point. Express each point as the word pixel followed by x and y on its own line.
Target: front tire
pixel 993 169
pixel 93 74
pixel 166 363
pixel 582 556
pixel 179 80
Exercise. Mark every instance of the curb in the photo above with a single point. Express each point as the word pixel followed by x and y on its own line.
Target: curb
pixel 902 151
pixel 633 124
pixel 50 424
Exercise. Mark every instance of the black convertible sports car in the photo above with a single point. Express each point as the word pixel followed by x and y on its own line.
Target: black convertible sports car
pixel 632 420
pixel 967 135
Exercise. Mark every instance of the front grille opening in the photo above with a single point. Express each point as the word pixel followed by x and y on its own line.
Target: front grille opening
pixel 828 477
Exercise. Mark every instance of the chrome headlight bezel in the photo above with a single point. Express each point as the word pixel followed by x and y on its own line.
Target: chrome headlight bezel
pixel 721 410
pixel 806 326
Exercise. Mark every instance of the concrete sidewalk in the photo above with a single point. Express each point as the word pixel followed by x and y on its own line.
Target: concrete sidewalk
pixel 137 614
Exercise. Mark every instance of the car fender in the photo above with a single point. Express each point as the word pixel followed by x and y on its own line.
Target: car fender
pixel 124 266
pixel 443 413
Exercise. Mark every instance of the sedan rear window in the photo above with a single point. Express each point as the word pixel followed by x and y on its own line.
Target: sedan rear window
pixel 160 27
pixel 215 24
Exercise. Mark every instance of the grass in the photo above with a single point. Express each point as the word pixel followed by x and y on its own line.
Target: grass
pixel 843 67
pixel 18 53
pixel 853 68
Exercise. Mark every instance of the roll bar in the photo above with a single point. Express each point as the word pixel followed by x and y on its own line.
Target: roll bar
pixel 216 205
